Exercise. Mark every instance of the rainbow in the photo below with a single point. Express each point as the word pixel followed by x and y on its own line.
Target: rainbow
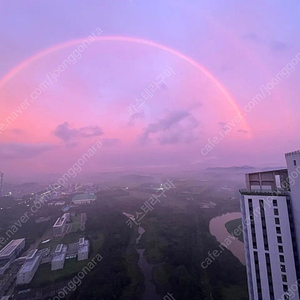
pixel 58 47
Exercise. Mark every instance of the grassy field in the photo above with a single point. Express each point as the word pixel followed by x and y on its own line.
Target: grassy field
pixel 97 244
pixel 44 273
pixel 75 227
pixel 72 266
pixel 232 225
pixel 76 219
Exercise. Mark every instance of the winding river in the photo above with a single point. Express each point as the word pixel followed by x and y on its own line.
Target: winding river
pixel 218 229
pixel 147 269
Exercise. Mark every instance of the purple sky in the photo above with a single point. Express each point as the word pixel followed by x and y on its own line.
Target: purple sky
pixel 247 47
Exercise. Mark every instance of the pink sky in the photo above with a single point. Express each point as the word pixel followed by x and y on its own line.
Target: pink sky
pixel 89 99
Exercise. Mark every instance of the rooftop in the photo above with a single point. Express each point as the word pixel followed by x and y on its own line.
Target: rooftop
pixel 31 254
pixel 61 256
pixel 84 247
pixel 59 248
pixel 84 197
pixel 272 182
pixel 293 153
pixel 29 264
pixel 265 193
pixel 277 171
pixel 10 247
pixel 60 221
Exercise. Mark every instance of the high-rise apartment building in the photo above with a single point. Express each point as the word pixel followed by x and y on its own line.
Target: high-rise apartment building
pixel 1 183
pixel 271 222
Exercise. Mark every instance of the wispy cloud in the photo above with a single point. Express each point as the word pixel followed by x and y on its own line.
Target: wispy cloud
pixel 134 117
pixel 23 150
pixel 64 132
pixel 176 127
pixel 277 46
pixel 243 131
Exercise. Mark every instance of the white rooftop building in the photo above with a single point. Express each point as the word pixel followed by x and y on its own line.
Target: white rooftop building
pixel 270 213
pixel 9 253
pixel 59 227
pixel 13 248
pixel 27 271
pixel 83 249
pixel 59 257
pixel 85 198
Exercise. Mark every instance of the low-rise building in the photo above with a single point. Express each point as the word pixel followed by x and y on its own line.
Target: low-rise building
pixel 83 199
pixel 27 271
pixel 59 228
pixel 59 203
pixel 59 257
pixel 9 253
pixel 83 249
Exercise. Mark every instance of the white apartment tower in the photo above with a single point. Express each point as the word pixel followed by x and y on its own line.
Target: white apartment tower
pixel 293 166
pixel 271 216
pixel 1 183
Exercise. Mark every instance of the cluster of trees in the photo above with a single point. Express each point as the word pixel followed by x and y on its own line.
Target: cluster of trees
pixel 183 242
pixel 177 241
pixel 110 278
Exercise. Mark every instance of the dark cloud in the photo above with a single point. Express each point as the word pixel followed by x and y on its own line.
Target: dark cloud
pixel 243 131
pixel 278 46
pixel 64 132
pixel 274 45
pixel 175 128
pixel 136 116
pixel 25 150
pixel 176 136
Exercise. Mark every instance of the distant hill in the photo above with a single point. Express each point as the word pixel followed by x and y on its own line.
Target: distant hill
pixel 133 178
pixel 240 169
pixel 233 169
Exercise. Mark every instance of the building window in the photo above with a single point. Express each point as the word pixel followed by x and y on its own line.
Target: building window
pixel 270 279
pixel 275 203
pixel 281 258
pixel 295 163
pixel 285 288
pixel 282 267
pixel 279 239
pixel 257 275
pixel 278 230
pixel 280 249
pixel 283 276
pixel 253 234
pixel 276 212
pixel 263 223
pixel 277 222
